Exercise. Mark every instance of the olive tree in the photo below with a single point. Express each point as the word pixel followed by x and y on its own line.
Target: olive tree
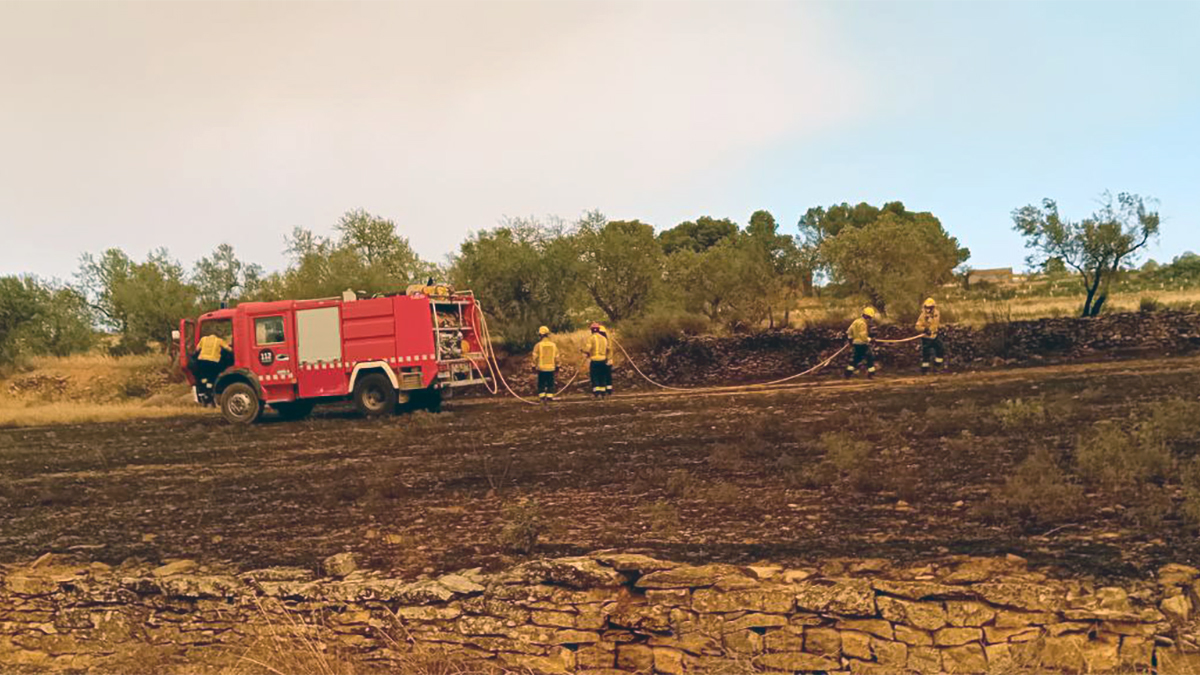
pixel 1095 247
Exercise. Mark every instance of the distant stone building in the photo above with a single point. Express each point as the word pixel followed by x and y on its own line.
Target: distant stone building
pixel 999 276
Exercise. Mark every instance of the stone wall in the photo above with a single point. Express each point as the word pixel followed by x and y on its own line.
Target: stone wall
pixel 616 613
pixel 716 360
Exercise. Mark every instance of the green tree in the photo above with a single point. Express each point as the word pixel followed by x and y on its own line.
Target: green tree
pixel 1054 267
pixel 788 268
pixel 820 224
pixel 142 301
pixel 1095 247
pixel 222 279
pixel 895 259
pixel 367 256
pixel 621 264
pixel 62 324
pixel 696 236
pixel 18 307
pixel 524 273
pixel 724 282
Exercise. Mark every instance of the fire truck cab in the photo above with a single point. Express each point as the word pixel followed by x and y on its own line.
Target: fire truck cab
pixel 381 353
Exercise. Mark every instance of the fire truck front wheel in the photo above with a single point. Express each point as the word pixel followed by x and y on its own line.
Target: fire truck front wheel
pixel 374 395
pixel 240 404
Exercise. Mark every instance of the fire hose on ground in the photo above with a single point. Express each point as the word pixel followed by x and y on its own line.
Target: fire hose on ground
pixel 493 364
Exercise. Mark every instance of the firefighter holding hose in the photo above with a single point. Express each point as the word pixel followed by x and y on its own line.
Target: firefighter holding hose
pixel 597 351
pixel 928 324
pixel 860 338
pixel 545 362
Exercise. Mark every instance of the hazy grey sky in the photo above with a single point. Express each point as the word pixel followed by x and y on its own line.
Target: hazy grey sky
pixel 189 124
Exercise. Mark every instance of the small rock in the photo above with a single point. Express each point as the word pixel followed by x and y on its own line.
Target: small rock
pixel 177 567
pixel 340 565
pixel 1177 609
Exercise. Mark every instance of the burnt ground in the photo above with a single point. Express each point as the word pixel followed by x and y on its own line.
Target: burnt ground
pixel 695 477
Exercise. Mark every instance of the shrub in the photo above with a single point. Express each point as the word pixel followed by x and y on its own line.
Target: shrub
pixel 723 493
pixel 1038 492
pixel 1189 476
pixel 726 457
pixel 661 329
pixel 796 475
pixel 902 479
pixel 680 483
pixel 1170 421
pixel 523 527
pixel 663 515
pixel 1118 461
pixel 650 479
pixel 1017 414
pixel 1149 304
pixel 845 452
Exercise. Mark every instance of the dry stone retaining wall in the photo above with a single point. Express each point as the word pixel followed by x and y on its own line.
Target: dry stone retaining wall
pixel 617 613
pixel 711 359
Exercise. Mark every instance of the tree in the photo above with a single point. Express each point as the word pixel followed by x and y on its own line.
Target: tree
pixel 621 264
pixel 1095 247
pixel 141 301
pixel 895 259
pixel 221 279
pixel 725 282
pixel 820 224
pixel 788 268
pixel 18 307
pixel 62 324
pixel 696 236
pixel 367 256
pixel 1054 267
pixel 524 274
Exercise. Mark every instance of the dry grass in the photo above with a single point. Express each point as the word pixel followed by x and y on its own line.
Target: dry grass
pixel 291 645
pixel 96 387
pixel 24 414
pixel 965 310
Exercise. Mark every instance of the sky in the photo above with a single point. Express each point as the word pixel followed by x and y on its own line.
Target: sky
pixel 188 124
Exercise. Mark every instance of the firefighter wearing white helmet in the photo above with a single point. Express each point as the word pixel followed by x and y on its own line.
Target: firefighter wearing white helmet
pixel 545 363
pixel 928 324
pixel 860 339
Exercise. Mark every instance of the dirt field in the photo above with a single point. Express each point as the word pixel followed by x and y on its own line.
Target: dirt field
pixel 699 477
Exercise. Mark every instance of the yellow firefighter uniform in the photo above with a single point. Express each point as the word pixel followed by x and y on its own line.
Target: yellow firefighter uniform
pixel 859 333
pixel 545 355
pixel 597 347
pixel 929 322
pixel 210 348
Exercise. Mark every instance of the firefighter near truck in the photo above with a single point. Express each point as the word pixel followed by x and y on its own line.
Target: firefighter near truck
pixel 381 353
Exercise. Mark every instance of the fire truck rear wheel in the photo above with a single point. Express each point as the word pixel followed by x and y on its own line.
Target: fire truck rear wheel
pixel 240 404
pixel 374 395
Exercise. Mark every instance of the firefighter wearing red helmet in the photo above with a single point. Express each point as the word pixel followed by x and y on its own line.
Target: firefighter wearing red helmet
pixel 598 367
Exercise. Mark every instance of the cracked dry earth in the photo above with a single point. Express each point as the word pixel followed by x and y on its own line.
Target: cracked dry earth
pixel 695 477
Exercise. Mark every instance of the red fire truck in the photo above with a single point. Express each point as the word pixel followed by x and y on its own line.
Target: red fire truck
pixel 380 352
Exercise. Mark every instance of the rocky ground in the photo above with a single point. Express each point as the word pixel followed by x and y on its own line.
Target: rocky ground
pixel 734 478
